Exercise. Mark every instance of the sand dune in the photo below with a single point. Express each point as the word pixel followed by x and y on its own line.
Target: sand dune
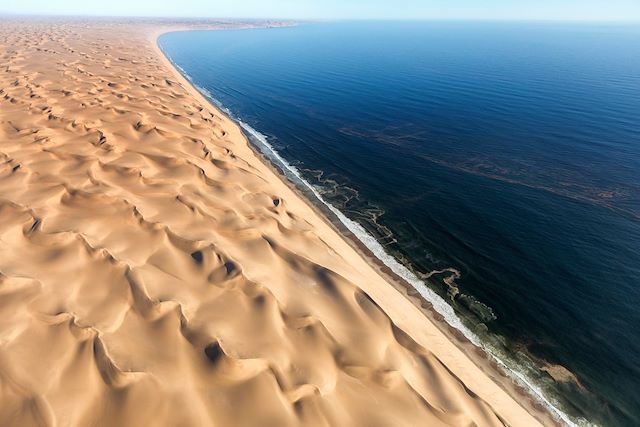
pixel 153 271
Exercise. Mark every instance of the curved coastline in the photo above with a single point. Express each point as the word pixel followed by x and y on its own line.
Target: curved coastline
pixel 438 311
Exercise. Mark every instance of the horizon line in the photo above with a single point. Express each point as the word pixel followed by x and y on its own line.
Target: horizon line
pixel 308 19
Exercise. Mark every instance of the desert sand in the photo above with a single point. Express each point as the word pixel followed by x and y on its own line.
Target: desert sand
pixel 154 271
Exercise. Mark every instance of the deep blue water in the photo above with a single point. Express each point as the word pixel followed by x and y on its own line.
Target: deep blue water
pixel 508 152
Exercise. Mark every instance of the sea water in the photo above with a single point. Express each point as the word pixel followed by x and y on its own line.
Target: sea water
pixel 495 166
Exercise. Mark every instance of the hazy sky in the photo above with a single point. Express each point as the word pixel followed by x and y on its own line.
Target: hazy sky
pixel 335 9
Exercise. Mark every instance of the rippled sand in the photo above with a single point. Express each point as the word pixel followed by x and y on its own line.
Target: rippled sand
pixel 153 271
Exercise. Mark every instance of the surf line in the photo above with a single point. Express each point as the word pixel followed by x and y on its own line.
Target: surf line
pixel 443 308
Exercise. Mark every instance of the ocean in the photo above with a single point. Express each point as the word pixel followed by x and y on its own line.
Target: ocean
pixel 497 163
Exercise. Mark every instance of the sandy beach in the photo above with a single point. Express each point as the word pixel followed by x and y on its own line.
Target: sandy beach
pixel 154 270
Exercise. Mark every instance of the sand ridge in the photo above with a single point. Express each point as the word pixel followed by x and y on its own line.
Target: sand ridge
pixel 153 271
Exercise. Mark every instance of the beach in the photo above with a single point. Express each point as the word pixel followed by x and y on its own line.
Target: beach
pixel 154 270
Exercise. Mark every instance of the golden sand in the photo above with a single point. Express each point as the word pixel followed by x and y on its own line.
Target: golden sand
pixel 155 272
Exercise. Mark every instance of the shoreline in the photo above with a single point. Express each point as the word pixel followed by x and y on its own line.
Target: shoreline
pixel 161 266
pixel 524 395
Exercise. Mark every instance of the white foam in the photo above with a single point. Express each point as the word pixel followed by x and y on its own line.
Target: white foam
pixel 438 303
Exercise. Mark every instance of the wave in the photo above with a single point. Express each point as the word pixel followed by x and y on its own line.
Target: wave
pixel 438 303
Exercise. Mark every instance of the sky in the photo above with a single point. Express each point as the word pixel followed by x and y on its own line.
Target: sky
pixel 587 10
